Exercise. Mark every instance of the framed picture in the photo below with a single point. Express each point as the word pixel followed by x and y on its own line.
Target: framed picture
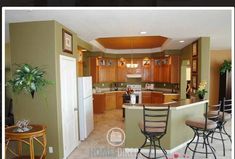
pixel 194 66
pixel 195 49
pixel 67 41
pixel 194 81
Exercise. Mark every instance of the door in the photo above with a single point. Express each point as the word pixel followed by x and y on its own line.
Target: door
pixel 68 84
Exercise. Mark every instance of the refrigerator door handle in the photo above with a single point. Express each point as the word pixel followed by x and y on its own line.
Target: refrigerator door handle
pixel 75 109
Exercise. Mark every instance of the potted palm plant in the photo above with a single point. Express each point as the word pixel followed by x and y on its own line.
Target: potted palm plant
pixel 28 79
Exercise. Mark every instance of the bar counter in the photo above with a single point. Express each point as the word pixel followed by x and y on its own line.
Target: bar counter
pixel 178 134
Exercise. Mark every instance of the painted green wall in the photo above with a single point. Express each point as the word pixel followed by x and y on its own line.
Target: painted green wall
pixel 34 43
pixel 8 68
pixel 40 44
pixel 203 61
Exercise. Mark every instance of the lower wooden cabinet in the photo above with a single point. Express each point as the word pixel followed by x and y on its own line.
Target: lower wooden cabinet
pixel 119 99
pixel 99 103
pixel 110 101
pixel 146 97
pixel 157 97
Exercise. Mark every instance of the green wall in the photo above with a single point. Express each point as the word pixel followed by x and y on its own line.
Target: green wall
pixel 8 68
pixel 203 61
pixel 40 44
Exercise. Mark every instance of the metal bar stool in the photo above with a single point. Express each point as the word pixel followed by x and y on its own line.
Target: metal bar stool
pixel 224 117
pixel 154 127
pixel 202 127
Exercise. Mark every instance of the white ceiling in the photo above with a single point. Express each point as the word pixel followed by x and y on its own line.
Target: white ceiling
pixel 173 23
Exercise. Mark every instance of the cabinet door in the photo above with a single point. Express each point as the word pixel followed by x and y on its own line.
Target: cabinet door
pixel 146 74
pixel 146 97
pixel 99 103
pixel 157 98
pixel 175 66
pixel 112 74
pixel 119 100
pixel 121 73
pixel 110 101
pixel 165 69
pixel 102 74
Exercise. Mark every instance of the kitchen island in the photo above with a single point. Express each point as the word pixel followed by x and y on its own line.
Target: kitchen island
pixel 177 132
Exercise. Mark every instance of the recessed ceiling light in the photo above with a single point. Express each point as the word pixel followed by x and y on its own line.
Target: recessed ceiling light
pixel 181 41
pixel 143 32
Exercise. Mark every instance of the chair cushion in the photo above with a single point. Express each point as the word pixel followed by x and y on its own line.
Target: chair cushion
pixel 200 123
pixel 157 127
pixel 227 116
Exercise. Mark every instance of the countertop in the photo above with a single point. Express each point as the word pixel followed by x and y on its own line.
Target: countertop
pixel 173 105
pixel 164 92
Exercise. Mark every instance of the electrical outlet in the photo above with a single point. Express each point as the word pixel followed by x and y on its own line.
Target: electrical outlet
pixel 164 84
pixel 50 149
pixel 121 84
pixel 102 84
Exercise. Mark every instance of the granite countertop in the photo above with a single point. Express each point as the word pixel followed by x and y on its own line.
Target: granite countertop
pixel 112 91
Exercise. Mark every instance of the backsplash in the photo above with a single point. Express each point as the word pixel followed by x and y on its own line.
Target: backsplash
pixel 122 85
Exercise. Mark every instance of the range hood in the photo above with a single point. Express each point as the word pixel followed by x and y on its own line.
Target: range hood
pixel 133 75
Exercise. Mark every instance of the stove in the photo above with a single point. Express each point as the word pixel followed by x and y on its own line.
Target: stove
pixel 137 91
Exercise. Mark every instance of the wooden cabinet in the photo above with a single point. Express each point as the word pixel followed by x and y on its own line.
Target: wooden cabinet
pixel 171 97
pixel 166 69
pixel 147 97
pixel 174 66
pixel 99 103
pixel 121 74
pixel 157 97
pixel 110 101
pixel 103 70
pixel 119 99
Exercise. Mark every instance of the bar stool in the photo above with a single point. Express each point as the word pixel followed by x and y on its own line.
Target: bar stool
pixel 202 128
pixel 154 127
pixel 224 117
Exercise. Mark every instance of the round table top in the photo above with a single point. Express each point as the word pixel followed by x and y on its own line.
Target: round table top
pixel 36 130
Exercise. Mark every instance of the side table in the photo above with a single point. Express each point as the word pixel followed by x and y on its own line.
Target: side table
pixel 36 134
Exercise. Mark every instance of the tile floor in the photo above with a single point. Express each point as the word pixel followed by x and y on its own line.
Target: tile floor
pixel 97 147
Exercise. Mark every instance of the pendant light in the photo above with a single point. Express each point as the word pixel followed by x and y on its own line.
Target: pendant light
pixel 131 65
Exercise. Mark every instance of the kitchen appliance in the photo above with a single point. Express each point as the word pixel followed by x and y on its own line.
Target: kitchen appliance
pixel 137 91
pixel 85 106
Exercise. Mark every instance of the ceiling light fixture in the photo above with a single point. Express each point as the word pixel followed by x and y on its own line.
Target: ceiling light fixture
pixel 181 41
pixel 131 65
pixel 83 50
pixel 143 32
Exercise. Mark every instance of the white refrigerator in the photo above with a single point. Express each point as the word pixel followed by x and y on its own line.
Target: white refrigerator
pixel 85 106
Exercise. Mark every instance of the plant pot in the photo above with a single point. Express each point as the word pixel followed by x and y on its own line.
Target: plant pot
pixel 201 97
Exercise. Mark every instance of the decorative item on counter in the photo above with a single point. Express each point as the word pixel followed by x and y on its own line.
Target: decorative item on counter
pixel 202 90
pixel 129 90
pixel 22 126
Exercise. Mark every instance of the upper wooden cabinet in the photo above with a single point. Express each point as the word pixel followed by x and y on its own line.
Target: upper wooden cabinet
pixel 103 70
pixel 162 69
pixel 166 69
